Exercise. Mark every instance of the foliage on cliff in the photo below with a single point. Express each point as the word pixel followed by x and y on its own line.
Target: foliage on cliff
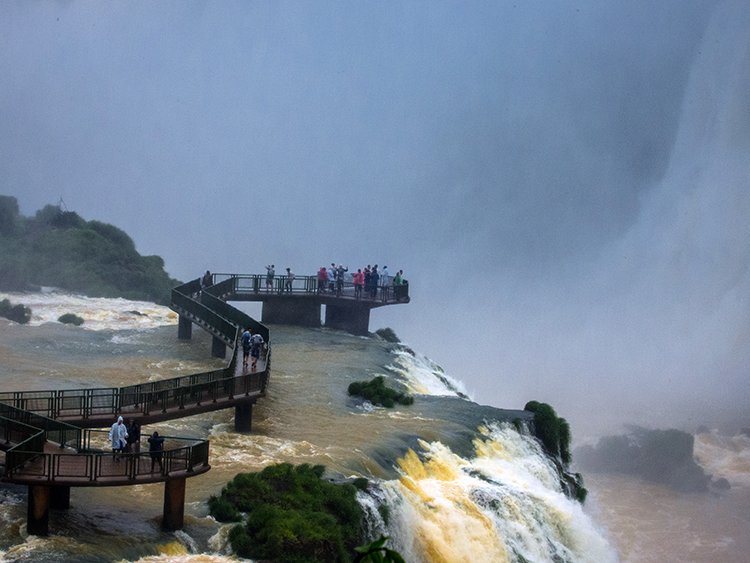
pixel 377 393
pixel 60 249
pixel 553 431
pixel 292 514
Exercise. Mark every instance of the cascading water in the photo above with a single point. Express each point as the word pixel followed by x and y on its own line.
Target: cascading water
pixel 504 503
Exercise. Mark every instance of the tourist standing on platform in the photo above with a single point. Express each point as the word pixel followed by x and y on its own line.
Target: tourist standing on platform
pixel 289 279
pixel 118 435
pixel 256 342
pixel 207 280
pixel 398 283
pixel 322 279
pixel 331 277
pixel 340 271
pixel 367 272
pixel 155 450
pixel 270 273
pixel 384 277
pixel 374 278
pixel 245 339
pixel 358 278
pixel 134 437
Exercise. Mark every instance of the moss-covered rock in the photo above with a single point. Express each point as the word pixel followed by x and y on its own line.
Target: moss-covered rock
pixel 293 514
pixel 377 393
pixel 70 319
pixel 553 431
pixel 388 335
pixel 17 313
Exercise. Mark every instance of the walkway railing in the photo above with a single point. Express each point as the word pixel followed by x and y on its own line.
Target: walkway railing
pixel 92 467
pixel 308 285
pixel 142 399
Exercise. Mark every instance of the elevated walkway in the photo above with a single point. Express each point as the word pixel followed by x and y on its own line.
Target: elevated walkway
pixel 50 447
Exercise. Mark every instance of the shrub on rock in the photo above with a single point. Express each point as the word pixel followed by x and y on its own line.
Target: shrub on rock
pixel 292 515
pixel 377 393
pixel 70 319
pixel 17 313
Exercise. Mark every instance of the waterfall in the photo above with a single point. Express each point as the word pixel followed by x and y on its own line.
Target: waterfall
pixel 503 504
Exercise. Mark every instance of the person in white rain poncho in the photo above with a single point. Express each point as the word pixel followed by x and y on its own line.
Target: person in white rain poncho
pixel 118 435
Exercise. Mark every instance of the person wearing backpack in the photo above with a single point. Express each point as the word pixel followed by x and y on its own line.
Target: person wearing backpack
pixel 256 342
pixel 245 340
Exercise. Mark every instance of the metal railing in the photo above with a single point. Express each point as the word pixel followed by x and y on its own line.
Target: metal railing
pixel 53 430
pixel 24 464
pixel 308 285
pixel 140 399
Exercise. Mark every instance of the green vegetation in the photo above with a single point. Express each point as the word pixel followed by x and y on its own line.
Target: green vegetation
pixel 581 492
pixel 388 335
pixel 377 393
pixel 18 313
pixel 292 514
pixel 60 249
pixel 376 552
pixel 70 318
pixel 553 431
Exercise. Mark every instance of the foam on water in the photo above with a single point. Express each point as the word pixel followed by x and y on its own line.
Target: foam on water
pixel 98 313
pixel 725 456
pixel 423 376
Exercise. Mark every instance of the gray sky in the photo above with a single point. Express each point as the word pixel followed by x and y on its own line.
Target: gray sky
pixel 565 184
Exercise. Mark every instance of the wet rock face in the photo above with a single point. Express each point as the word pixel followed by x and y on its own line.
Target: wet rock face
pixel 720 484
pixel 659 456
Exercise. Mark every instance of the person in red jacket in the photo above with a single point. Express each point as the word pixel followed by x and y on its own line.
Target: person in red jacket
pixel 322 279
pixel 358 278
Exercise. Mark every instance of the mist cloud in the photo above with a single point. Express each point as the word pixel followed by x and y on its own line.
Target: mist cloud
pixel 564 185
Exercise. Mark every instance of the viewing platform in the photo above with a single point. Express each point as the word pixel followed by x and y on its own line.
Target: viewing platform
pixel 301 302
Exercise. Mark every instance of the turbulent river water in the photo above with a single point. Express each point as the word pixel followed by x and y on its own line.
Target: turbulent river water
pixel 461 484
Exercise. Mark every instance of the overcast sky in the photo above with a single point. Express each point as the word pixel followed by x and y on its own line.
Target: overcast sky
pixel 565 184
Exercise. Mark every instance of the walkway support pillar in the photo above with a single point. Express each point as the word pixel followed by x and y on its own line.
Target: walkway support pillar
pixel 351 317
pixel 174 504
pixel 60 497
pixel 184 328
pixel 291 311
pixel 243 417
pixel 37 517
pixel 218 348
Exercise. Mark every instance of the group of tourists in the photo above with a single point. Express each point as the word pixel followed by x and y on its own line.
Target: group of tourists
pixel 366 281
pixel 251 347
pixel 332 279
pixel 126 438
pixel 271 274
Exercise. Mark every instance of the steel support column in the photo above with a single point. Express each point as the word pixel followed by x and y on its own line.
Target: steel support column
pixel 37 517
pixel 174 504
